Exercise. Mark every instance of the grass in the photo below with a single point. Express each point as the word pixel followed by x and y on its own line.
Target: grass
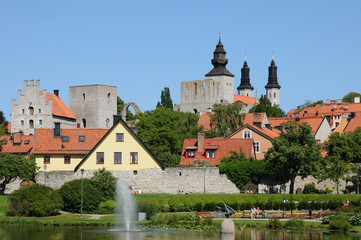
pixel 3 205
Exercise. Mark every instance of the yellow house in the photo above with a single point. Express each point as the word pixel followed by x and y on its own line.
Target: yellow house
pixel 119 150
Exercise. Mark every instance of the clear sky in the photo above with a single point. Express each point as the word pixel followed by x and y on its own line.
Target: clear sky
pixel 143 46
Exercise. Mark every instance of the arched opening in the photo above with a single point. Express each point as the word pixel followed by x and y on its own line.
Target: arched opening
pixel 31 124
pixel 84 122
pixel 31 110
pixel 274 95
pixel 108 95
pixel 83 96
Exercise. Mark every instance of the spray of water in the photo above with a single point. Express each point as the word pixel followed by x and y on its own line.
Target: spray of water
pixel 125 206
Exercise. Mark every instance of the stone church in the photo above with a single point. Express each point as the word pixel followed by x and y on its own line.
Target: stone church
pixel 218 87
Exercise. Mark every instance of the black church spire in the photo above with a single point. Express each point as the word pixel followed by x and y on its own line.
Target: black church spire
pixel 245 80
pixel 272 76
pixel 219 62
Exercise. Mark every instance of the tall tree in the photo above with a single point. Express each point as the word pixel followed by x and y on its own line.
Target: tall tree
pixel 295 153
pixel 165 99
pixel 225 120
pixel 3 124
pixel 266 106
pixel 14 166
pixel 350 97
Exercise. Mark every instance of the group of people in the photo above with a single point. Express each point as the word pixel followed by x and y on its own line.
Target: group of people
pixel 256 212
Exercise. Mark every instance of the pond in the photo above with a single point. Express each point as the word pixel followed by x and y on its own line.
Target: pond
pixel 88 233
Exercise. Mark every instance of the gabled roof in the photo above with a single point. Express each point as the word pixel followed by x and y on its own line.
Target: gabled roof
pixel 59 107
pixel 343 124
pixel 222 146
pixel 244 99
pixel 353 123
pixel 46 143
pixel 265 132
pixel 327 109
pixel 23 144
pixel 250 118
pixel 126 127
pixel 313 122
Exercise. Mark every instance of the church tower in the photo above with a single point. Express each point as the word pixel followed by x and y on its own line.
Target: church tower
pixel 220 74
pixel 245 88
pixel 272 87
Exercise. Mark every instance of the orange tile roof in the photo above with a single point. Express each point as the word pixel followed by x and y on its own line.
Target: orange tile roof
pixel 313 122
pixel 353 123
pixel 59 107
pixel 244 99
pixel 24 146
pixel 328 109
pixel 250 118
pixel 46 143
pixel 225 146
pixel 267 133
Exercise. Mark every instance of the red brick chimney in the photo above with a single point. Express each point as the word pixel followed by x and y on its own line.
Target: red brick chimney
pixel 200 142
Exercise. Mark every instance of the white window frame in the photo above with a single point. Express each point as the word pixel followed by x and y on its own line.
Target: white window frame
pixel 246 133
pixel 257 146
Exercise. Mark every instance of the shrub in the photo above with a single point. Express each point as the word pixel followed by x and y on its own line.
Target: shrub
pixel 327 219
pixel 106 207
pixel 150 208
pixel 208 221
pixel 355 220
pixel 37 201
pixel 340 224
pixel 310 188
pixel 274 223
pixel 71 193
pixel 105 182
pixel 335 203
pixel 294 224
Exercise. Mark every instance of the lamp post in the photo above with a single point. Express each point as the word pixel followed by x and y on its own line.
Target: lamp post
pixel 45 167
pixel 291 188
pixel 81 201
pixel 204 178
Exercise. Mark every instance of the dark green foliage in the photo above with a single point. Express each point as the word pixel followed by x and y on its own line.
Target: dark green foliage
pixel 106 207
pixel 350 97
pixel 355 220
pixel 149 207
pixel 13 166
pixel 295 153
pixel 34 201
pixel 239 169
pixel 104 181
pixel 294 224
pixel 340 224
pixel 164 130
pixel 169 159
pixel 274 223
pixel 165 99
pixel 225 120
pixel 310 189
pixel 266 106
pixel 71 193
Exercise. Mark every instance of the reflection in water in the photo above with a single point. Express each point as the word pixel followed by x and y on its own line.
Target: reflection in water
pixel 64 233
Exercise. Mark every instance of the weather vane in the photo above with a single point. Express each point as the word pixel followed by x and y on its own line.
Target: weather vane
pixel 245 55
pixel 273 54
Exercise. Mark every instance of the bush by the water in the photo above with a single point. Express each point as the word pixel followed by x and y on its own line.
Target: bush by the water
pixel 274 223
pixel 37 201
pixel 105 182
pixel 71 194
pixel 355 220
pixel 340 224
pixel 294 224
pixel 106 207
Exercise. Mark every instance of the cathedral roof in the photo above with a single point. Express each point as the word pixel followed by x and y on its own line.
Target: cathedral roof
pixel 219 62
pixel 272 76
pixel 245 80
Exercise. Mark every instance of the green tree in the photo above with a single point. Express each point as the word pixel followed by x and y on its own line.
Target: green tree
pixel 225 120
pixel 295 153
pixel 120 106
pixel 350 97
pixel 3 125
pixel 266 106
pixel 105 182
pixel 164 130
pixel 165 99
pixel 14 166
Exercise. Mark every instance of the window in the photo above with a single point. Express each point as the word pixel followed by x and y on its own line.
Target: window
pixel 40 122
pixel 31 124
pixel 84 122
pixel 22 122
pixel 46 159
pixel 256 147
pixel 39 110
pixel 83 96
pixel 81 138
pixel 210 154
pixel 190 153
pixel 27 142
pixel 31 110
pixel 66 159
pixel 133 158
pixel 100 158
pixel 65 139
pixel 22 111
pixel 246 134
pixel 117 158
pixel 337 124
pixel 120 137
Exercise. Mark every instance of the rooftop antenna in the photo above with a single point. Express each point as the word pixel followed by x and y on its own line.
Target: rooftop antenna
pixel 219 35
pixel 245 56
pixel 273 54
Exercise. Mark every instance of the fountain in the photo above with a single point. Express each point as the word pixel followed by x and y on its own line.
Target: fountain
pixel 125 206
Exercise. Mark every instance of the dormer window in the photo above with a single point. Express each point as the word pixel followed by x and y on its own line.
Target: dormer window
pixel 81 138
pixel 190 153
pixel 210 153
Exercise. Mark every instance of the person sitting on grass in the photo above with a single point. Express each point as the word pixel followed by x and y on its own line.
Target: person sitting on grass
pixel 347 202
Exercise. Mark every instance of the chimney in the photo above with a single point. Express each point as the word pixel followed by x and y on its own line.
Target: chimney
pixel 258 124
pixel 57 130
pixel 356 100
pixel 17 137
pixel 200 142
pixel 116 119
pixel 56 92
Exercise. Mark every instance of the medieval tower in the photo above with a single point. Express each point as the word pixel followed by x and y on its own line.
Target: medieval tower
pixel 245 88
pixel 272 87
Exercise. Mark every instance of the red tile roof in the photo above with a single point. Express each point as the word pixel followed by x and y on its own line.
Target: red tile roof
pixel 222 148
pixel 327 109
pixel 250 118
pixel 46 143
pixel 244 99
pixel 313 122
pixel 24 144
pixel 353 123
pixel 59 107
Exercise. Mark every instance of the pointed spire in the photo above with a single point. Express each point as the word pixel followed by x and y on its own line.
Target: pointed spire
pixel 245 80
pixel 272 75
pixel 219 62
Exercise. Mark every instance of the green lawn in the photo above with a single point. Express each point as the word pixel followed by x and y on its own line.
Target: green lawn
pixel 3 205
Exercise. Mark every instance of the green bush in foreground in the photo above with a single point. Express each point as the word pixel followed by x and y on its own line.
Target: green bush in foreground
pixel 340 224
pixel 36 201
pixel 274 223
pixel 355 220
pixel 294 224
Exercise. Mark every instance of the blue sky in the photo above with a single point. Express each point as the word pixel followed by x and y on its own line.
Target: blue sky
pixel 143 46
